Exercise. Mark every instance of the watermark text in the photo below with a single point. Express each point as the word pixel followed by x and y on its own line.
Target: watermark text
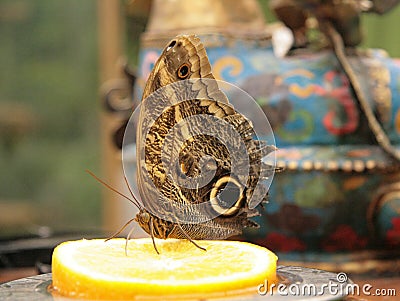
pixel 336 287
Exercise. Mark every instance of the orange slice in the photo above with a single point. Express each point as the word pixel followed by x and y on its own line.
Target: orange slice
pixel 95 269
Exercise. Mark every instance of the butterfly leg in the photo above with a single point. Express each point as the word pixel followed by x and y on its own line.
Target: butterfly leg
pixel 120 230
pixel 189 238
pixel 126 241
pixel 152 235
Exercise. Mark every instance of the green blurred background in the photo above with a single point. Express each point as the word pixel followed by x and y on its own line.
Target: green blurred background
pixel 49 108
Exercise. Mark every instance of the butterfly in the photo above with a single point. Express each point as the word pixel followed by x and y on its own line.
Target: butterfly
pixel 199 163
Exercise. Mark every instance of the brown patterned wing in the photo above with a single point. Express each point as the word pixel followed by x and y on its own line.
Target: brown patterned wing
pixel 198 162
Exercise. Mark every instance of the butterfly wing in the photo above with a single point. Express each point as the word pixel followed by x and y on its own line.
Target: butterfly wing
pixel 184 165
pixel 183 50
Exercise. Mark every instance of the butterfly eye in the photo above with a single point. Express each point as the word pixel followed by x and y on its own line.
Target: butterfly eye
pixel 143 217
pixel 183 71
pixel 172 44
pixel 226 197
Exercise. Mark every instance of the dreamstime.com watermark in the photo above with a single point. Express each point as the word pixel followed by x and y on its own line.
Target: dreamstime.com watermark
pixel 335 287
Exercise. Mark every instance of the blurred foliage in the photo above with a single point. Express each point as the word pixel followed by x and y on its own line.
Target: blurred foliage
pixel 48 59
pixel 269 16
pixel 137 14
pixel 382 31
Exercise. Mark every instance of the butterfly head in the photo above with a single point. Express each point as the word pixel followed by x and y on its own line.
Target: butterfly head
pixel 142 217
pixel 153 225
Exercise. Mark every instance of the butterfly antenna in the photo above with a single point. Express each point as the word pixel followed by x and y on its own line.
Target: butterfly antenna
pixel 120 230
pixel 134 201
pixel 189 238
pixel 152 235
pixel 131 192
